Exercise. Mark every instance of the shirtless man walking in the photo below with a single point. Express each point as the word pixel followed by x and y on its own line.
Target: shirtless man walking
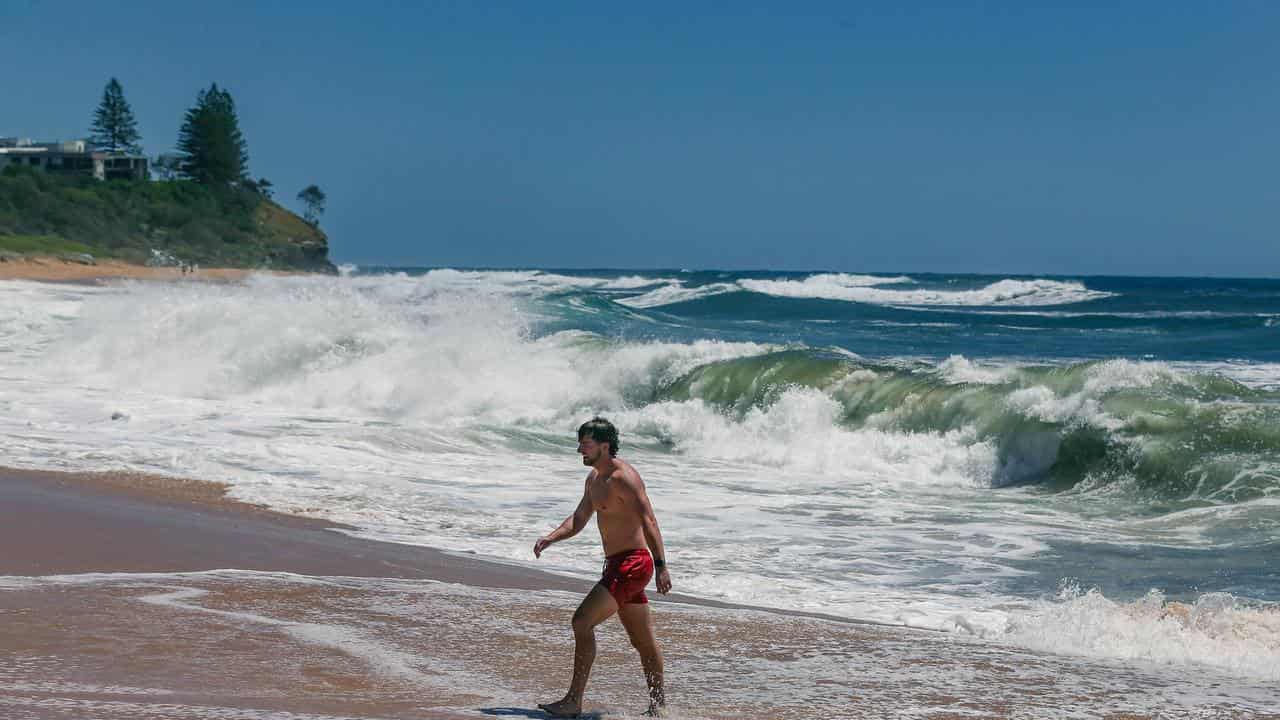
pixel 632 548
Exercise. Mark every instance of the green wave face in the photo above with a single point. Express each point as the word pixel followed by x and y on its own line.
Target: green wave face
pixel 1167 437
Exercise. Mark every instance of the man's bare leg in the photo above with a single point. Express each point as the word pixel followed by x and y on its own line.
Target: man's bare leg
pixel 638 621
pixel 596 607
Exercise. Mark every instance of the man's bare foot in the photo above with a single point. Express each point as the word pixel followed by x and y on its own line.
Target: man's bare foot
pixel 562 709
pixel 655 710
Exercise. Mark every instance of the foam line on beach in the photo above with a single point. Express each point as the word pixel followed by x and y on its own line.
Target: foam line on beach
pixel 964 485
pixel 493 643
pixel 381 659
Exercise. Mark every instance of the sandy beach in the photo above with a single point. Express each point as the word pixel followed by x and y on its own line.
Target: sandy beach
pixel 52 269
pixel 356 361
pixel 131 596
pixel 128 595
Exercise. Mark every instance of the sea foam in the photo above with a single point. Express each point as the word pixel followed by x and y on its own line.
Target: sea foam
pixel 863 289
pixel 421 408
pixel 1215 629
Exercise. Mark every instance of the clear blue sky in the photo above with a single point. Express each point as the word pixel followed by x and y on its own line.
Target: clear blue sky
pixel 958 137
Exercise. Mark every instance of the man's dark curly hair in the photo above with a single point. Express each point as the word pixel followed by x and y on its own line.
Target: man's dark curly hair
pixel 601 431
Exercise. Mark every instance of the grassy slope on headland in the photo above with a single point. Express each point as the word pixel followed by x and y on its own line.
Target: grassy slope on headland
pixel 43 214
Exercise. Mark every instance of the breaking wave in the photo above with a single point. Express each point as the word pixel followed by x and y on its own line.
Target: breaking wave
pixel 869 289
pixel 421 350
pixel 1145 428
pixel 864 289
pixel 938 493
pixel 1215 629
pixel 672 294
pixel 642 292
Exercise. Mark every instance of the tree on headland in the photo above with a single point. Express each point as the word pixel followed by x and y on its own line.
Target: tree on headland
pixel 314 198
pixel 114 127
pixel 261 186
pixel 213 148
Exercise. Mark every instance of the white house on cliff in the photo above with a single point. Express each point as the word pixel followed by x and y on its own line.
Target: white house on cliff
pixel 74 157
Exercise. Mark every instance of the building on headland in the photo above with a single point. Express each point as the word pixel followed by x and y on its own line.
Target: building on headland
pixel 74 157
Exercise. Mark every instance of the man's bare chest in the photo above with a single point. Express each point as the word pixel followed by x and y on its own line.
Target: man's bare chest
pixel 605 499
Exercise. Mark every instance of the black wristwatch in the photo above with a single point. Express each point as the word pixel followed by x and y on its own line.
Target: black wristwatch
pixel 659 563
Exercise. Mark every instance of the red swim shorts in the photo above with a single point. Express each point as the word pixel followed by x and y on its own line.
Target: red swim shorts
pixel 626 574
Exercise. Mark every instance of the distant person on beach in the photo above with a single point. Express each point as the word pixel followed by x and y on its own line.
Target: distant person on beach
pixel 632 548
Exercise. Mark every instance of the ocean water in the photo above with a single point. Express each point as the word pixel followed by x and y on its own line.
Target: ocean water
pixel 1082 466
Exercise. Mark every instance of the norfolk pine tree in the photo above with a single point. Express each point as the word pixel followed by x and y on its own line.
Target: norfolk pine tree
pixel 114 127
pixel 213 148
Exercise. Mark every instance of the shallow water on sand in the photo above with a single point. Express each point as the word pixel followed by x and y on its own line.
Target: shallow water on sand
pixel 251 645
pixel 1038 461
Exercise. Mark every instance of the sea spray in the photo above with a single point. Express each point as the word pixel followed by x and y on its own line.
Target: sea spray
pixel 929 467
pixel 1215 629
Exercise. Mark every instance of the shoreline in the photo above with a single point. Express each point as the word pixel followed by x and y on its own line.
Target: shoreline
pixel 133 595
pixel 257 537
pixel 44 268
pixel 123 522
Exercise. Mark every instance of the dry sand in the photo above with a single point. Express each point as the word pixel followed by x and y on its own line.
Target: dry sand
pixel 216 609
pixel 59 270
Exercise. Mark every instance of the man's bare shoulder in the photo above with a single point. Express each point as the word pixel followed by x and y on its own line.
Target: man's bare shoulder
pixel 627 475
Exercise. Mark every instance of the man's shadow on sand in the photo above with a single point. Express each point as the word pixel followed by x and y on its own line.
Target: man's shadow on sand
pixel 527 713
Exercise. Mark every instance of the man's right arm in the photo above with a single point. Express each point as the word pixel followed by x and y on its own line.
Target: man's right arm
pixel 571 526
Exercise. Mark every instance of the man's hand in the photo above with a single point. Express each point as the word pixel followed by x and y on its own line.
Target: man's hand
pixel 539 546
pixel 664 581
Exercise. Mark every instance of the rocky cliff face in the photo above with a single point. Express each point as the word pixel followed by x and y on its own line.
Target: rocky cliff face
pixel 299 243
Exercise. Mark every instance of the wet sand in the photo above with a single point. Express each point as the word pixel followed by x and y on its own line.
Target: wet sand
pixel 58 270
pixel 131 523
pixel 130 596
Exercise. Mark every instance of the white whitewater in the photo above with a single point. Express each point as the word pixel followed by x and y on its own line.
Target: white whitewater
pixel 379 401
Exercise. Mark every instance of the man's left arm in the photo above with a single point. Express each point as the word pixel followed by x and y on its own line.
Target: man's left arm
pixel 652 535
